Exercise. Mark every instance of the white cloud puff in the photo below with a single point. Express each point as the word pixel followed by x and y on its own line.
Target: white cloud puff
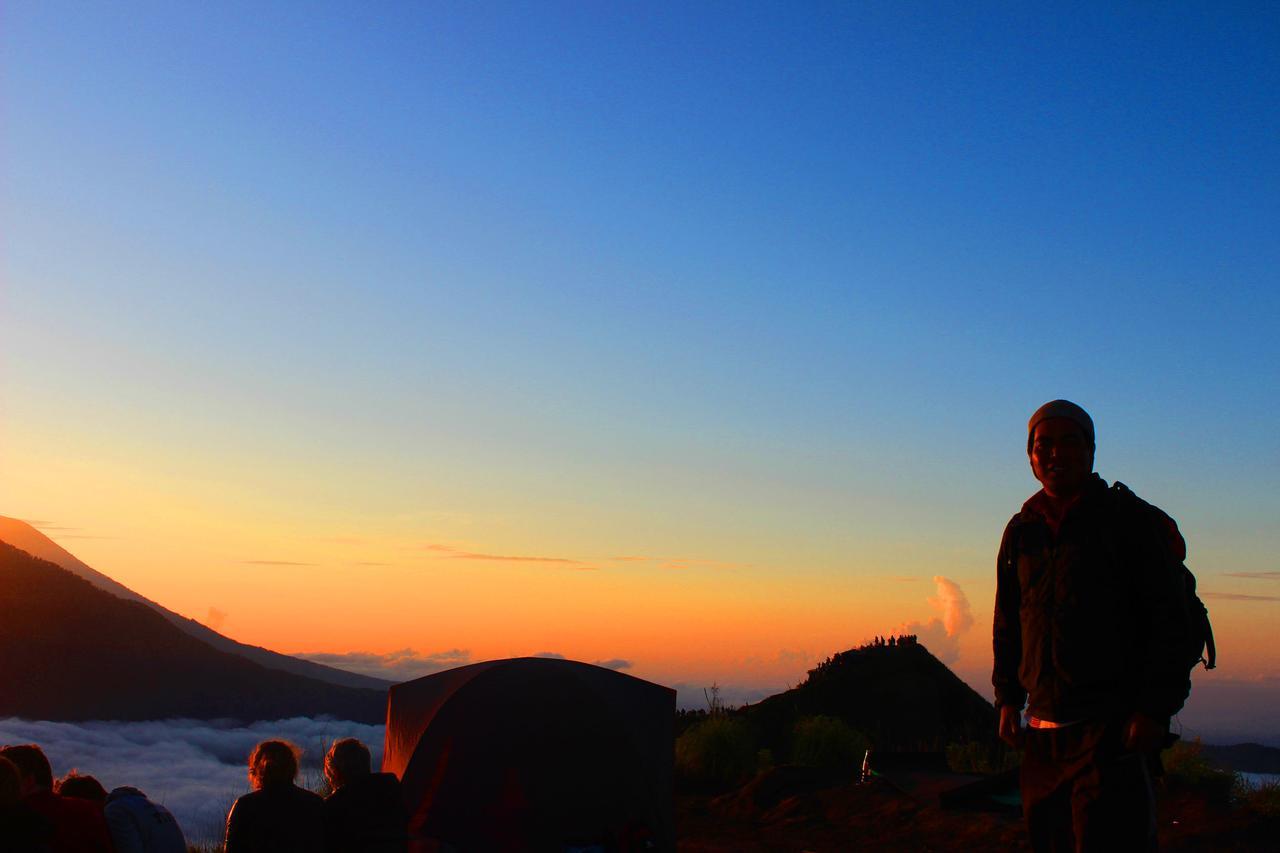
pixel 400 665
pixel 614 663
pixel 941 634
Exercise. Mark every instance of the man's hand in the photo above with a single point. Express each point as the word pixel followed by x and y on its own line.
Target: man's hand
pixel 1011 726
pixel 1144 734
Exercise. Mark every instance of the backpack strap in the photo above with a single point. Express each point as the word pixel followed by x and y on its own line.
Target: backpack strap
pixel 1201 616
pixel 1156 516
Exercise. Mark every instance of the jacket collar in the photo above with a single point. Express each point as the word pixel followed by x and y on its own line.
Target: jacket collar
pixel 1037 507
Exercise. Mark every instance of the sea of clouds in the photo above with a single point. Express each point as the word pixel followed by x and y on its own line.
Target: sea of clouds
pixel 196 768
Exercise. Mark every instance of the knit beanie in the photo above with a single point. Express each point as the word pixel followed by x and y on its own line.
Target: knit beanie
pixel 1060 409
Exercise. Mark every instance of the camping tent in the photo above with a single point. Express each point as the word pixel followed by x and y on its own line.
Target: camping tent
pixel 534 754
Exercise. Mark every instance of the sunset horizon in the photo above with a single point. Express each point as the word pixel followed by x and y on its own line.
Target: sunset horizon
pixel 1222 709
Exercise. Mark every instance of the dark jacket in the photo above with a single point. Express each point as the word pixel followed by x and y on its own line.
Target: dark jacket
pixel 140 826
pixel 1090 622
pixel 78 825
pixel 23 830
pixel 367 815
pixel 276 819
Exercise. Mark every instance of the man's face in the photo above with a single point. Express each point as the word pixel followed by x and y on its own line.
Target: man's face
pixel 1061 457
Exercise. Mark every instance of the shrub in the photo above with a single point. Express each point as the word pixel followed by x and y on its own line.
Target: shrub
pixel 720 750
pixel 1186 767
pixel 827 742
pixel 1264 799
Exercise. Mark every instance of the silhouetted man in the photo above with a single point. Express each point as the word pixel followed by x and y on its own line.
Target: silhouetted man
pixel 366 812
pixel 1089 620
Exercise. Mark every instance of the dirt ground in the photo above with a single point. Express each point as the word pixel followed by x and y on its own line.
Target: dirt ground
pixel 880 817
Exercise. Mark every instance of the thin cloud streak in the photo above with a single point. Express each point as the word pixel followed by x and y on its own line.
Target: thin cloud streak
pixel 682 564
pixel 511 558
pixel 61 531
pixel 1239 596
pixel 1258 576
pixel 48 525
pixel 670 563
pixel 458 554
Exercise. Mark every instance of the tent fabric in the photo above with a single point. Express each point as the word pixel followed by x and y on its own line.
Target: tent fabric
pixel 534 754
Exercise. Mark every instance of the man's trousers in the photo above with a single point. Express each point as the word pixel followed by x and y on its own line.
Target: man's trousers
pixel 1083 791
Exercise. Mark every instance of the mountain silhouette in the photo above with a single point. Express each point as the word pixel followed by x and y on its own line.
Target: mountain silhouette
pixel 1244 757
pixel 23 536
pixel 71 651
pixel 902 697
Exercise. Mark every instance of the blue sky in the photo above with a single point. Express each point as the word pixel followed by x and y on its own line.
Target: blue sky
pixel 769 284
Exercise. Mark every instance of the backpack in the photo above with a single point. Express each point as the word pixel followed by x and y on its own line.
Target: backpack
pixel 1198 644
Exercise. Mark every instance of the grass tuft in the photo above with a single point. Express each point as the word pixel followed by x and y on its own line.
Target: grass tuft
pixel 828 743
pixel 980 758
pixel 1186 767
pixel 720 750
pixel 1263 799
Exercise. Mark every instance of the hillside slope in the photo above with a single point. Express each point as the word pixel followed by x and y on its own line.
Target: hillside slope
pixel 23 536
pixel 70 651
pixel 902 697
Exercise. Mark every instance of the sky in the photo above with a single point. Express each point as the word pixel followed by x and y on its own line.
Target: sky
pixel 696 339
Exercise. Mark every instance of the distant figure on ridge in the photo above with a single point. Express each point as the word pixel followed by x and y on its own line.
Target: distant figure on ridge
pixel 140 826
pixel 366 812
pixel 277 816
pixel 78 825
pixel 1092 626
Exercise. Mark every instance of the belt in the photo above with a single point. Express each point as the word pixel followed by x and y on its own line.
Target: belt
pixel 1037 723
